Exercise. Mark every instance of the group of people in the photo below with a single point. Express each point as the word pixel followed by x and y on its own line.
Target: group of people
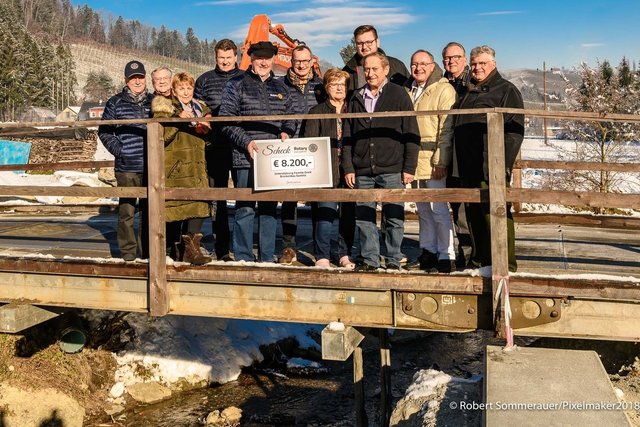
pixel 389 152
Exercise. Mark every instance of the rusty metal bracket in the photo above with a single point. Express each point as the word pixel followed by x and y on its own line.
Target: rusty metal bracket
pixel 527 311
pixel 458 311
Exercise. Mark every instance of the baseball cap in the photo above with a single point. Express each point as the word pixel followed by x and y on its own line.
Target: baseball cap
pixel 134 68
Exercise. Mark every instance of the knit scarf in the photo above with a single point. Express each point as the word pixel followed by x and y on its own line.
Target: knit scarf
pixel 301 82
pixel 139 98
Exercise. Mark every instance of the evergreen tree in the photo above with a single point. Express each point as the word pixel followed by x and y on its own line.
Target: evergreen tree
pixel 193 51
pixel 99 87
pixel 119 35
pixel 347 52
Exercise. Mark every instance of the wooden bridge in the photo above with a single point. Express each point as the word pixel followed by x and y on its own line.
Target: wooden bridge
pixel 601 307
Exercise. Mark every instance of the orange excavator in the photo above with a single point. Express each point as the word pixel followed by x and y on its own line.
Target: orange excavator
pixel 259 30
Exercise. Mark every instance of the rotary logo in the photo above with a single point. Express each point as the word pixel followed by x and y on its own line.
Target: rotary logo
pixel 313 148
pixel 134 66
pixel 280 96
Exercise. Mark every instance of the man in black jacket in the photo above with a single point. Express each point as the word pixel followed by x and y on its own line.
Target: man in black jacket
pixel 454 61
pixel 487 90
pixel 218 150
pixel 380 152
pixel 367 42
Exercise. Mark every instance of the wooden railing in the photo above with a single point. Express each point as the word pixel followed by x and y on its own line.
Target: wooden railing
pixel 497 195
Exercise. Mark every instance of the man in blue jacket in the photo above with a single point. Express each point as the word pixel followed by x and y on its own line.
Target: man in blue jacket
pixel 127 143
pixel 218 150
pixel 255 92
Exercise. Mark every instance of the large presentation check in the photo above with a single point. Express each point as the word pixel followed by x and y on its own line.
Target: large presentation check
pixel 292 163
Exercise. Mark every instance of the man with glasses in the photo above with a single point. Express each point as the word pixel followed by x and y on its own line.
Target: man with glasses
pixel 306 92
pixel 218 150
pixel 430 91
pixel 455 64
pixel 457 72
pixel 256 92
pixel 487 89
pixel 161 81
pixel 367 42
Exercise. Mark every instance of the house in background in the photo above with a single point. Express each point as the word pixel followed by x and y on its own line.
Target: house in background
pixel 69 114
pixel 38 114
pixel 91 110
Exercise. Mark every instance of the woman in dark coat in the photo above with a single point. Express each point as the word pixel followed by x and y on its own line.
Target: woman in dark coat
pixel 335 83
pixel 185 166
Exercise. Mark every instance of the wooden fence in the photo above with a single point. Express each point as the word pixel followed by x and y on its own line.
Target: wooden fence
pixel 497 195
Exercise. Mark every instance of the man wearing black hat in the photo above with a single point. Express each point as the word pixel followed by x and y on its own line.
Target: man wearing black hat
pixel 253 93
pixel 127 144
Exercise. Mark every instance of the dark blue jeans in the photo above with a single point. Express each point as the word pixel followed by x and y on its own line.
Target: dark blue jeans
pixel 243 227
pixel 393 218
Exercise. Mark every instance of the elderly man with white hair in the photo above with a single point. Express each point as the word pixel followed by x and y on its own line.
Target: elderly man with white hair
pixel 487 89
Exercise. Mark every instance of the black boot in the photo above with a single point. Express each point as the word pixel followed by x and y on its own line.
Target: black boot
pixel 426 261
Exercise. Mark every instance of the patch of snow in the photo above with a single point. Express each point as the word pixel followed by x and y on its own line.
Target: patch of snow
pixel 198 349
pixel 336 326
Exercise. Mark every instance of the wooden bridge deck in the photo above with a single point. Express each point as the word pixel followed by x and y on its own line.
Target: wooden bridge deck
pixel 65 262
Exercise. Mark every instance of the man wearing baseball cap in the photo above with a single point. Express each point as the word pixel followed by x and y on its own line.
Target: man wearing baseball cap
pixel 126 143
pixel 255 92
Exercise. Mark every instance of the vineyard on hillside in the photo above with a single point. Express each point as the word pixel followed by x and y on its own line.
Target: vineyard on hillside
pixel 96 58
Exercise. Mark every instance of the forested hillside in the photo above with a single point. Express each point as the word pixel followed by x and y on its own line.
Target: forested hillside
pixel 38 68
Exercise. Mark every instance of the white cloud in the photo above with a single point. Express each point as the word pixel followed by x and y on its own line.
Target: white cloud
pixel 324 26
pixel 590 45
pixel 501 12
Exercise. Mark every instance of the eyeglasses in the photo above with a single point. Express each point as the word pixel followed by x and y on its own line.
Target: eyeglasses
pixel 367 43
pixel 420 64
pixel 337 85
pixel 162 79
pixel 453 58
pixel 480 64
pixel 301 61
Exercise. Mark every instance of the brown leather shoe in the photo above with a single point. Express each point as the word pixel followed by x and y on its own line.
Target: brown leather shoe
pixel 192 253
pixel 288 256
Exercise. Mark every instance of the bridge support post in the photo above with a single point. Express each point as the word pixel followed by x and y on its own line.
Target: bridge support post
pixel 158 292
pixel 358 386
pixel 385 377
pixel 498 220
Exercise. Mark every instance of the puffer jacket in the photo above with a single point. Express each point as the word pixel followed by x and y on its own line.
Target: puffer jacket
pixel 303 101
pixel 184 160
pixel 209 89
pixel 436 132
pixel 126 142
pixel 398 73
pixel 470 130
pixel 374 146
pixel 248 95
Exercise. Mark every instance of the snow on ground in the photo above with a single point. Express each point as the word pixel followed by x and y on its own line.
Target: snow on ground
pixel 196 349
pixel 433 398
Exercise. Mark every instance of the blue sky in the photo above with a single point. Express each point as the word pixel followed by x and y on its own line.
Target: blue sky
pixel 524 34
